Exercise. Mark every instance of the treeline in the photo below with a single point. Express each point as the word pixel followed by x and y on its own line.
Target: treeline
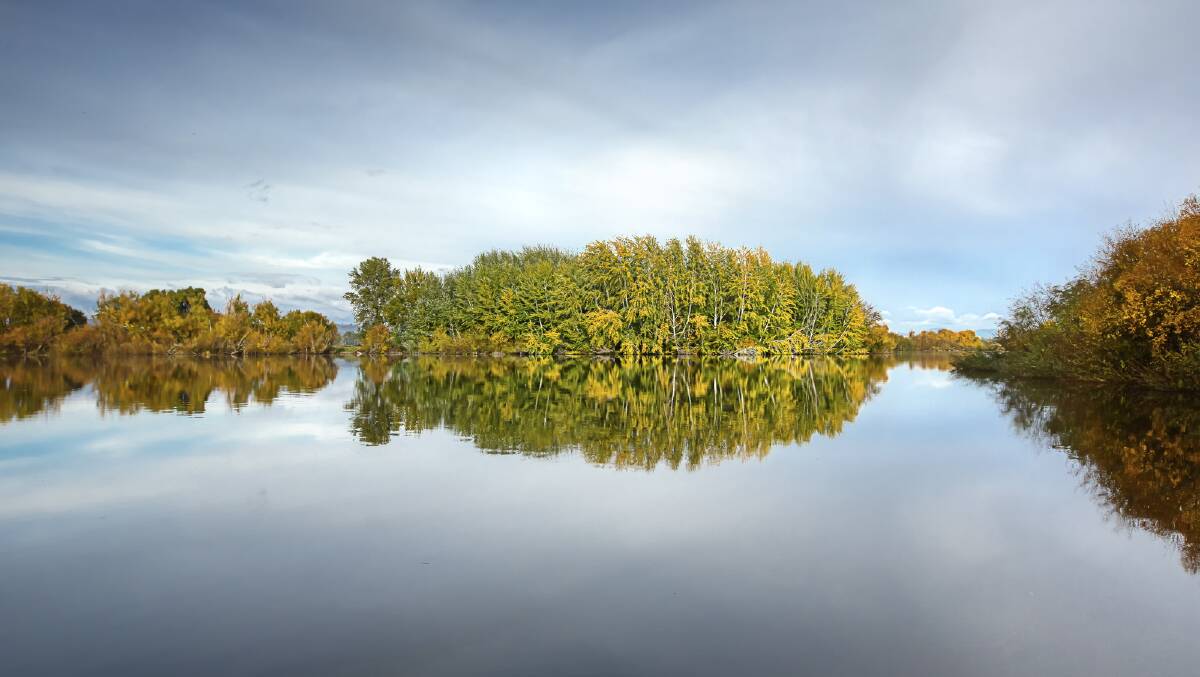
pixel 634 296
pixel 31 322
pixel 1132 316
pixel 941 340
pixel 883 341
pixel 158 322
pixel 634 413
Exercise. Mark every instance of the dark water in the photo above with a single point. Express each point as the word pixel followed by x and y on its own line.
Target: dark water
pixel 521 517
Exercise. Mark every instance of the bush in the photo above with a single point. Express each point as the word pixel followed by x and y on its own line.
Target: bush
pixel 30 322
pixel 375 341
pixel 1132 316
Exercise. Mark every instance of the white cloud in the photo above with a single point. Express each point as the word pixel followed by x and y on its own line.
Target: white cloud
pixel 110 248
pixel 818 132
pixel 941 317
pixel 288 292
pixel 953 163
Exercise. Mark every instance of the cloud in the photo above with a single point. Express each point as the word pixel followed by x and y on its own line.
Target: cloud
pixel 118 250
pixel 288 292
pixel 73 292
pixel 939 317
pixel 958 165
pixel 913 148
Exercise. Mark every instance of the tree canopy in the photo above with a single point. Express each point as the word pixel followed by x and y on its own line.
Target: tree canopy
pixel 630 295
pixel 1133 315
pixel 158 321
pixel 31 321
pixel 940 340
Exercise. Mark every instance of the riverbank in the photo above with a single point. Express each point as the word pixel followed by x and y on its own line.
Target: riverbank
pixel 1130 317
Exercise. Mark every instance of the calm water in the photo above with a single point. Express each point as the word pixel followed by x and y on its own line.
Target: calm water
pixel 521 517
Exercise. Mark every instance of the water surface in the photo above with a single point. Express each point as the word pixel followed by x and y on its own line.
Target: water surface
pixel 589 517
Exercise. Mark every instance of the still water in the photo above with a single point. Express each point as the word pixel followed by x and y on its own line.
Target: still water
pixel 541 517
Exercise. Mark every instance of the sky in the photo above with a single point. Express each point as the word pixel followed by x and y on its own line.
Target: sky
pixel 944 156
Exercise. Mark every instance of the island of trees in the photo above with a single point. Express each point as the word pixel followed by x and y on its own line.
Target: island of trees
pixel 158 322
pixel 633 296
pixel 1131 316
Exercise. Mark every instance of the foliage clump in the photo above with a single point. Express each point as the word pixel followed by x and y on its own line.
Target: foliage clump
pixel 158 322
pixel 1132 316
pixel 629 295
pixel 941 340
pixel 30 322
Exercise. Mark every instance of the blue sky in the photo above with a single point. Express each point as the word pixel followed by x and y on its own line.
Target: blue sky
pixel 943 155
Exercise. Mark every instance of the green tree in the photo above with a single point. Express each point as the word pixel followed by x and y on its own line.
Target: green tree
pixel 372 289
pixel 629 295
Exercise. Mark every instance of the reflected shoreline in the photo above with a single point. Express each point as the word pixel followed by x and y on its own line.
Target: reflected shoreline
pixel 30 387
pixel 624 412
pixel 1137 451
pixel 628 413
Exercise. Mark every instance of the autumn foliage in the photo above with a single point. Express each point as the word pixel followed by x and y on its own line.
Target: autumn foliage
pixel 941 340
pixel 1132 316
pixel 31 322
pixel 158 322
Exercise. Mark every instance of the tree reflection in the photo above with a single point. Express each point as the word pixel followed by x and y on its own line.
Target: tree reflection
pixel 1138 452
pixel 29 387
pixel 182 385
pixel 185 386
pixel 626 413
